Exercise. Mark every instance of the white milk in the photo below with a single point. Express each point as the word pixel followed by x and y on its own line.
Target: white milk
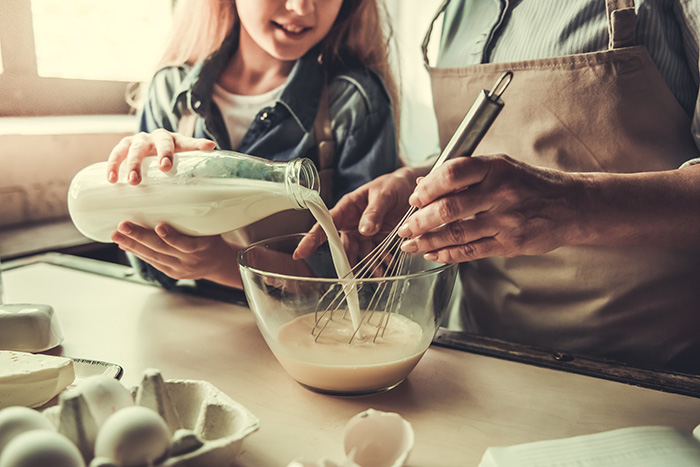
pixel 194 209
pixel 331 364
pixel 340 259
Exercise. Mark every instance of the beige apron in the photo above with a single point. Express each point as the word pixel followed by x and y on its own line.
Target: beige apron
pixel 607 111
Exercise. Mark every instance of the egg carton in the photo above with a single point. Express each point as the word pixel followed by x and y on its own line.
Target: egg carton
pixel 207 426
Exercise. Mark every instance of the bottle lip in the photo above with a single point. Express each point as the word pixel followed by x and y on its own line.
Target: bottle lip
pixel 301 173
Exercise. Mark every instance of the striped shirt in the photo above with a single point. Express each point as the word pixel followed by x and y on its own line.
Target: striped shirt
pixel 497 31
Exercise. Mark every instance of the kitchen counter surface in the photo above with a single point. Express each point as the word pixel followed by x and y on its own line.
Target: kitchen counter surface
pixel 458 402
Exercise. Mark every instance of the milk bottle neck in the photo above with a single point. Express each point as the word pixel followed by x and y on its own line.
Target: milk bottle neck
pixel 301 180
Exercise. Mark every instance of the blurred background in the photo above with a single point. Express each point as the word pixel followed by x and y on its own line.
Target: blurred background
pixel 67 71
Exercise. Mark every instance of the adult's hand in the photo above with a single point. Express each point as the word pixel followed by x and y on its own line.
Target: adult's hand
pixel 476 207
pixel 374 207
pixel 162 143
pixel 181 256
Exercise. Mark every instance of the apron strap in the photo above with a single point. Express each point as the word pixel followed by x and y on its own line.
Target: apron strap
pixel 325 145
pixel 186 124
pixel 426 39
pixel 621 23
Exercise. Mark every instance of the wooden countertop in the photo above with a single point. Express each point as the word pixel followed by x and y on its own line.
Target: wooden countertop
pixel 459 403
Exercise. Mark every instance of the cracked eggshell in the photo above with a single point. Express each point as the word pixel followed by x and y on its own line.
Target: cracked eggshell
pixel 378 439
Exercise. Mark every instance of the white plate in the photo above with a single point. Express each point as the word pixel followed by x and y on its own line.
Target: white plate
pixel 85 368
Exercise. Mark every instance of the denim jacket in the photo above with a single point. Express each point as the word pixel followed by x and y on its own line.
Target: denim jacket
pixel 360 111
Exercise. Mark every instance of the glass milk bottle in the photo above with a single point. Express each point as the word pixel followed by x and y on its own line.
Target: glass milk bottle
pixel 205 193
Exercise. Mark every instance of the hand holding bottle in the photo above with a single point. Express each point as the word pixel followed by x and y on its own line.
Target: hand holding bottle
pixel 181 256
pixel 162 143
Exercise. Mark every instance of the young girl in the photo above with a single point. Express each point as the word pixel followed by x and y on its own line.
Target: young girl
pixel 249 75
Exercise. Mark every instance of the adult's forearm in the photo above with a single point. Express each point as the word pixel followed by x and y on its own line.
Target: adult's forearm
pixel 654 208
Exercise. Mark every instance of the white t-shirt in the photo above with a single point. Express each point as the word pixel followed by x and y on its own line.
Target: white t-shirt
pixel 239 111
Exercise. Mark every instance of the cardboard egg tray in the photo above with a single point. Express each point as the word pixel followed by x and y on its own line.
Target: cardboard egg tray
pixel 208 426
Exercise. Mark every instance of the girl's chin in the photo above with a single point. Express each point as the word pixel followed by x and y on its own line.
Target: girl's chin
pixel 288 52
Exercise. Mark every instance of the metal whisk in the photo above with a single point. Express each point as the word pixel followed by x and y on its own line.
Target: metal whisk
pixel 387 259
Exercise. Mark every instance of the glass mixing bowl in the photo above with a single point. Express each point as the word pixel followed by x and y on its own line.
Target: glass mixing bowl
pixel 302 311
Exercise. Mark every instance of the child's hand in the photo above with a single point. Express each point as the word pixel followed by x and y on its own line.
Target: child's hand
pixel 162 143
pixel 181 256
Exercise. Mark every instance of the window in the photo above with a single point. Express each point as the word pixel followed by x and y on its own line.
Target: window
pixel 77 57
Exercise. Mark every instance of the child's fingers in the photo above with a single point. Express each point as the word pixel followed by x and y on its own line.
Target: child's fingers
pixel 187 143
pixel 116 157
pixel 132 150
pixel 175 142
pixel 164 142
pixel 179 241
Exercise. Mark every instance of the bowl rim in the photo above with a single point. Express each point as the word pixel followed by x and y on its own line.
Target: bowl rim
pixel 439 267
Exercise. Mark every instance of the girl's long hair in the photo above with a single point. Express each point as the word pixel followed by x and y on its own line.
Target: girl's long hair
pixel 198 29
pixel 360 36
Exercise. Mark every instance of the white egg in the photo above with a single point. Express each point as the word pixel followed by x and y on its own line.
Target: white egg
pixel 133 436
pixel 41 448
pixel 18 419
pixel 378 439
pixel 103 396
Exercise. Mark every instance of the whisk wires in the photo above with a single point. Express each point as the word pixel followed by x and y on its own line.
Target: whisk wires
pixel 387 259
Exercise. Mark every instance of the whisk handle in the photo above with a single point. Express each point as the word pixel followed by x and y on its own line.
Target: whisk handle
pixel 477 122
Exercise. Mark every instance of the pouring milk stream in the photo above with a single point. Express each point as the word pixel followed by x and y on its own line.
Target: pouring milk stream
pixel 205 193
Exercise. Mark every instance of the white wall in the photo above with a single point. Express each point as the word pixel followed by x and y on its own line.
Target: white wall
pixel 40 156
pixel 410 21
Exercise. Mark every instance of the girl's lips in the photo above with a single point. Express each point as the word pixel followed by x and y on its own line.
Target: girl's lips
pixel 292 30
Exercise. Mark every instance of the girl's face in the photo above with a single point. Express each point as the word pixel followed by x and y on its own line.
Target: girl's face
pixel 285 29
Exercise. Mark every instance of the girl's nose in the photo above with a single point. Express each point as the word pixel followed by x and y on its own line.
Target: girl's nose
pixel 300 7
